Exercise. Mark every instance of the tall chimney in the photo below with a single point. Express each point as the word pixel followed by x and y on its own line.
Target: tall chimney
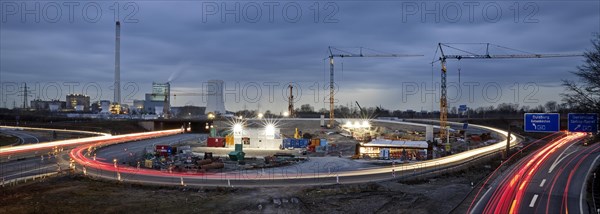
pixel 117 86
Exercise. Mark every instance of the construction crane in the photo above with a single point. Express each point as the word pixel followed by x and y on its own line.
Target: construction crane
pixel 471 55
pixel 337 52
pixel 360 108
pixel 291 101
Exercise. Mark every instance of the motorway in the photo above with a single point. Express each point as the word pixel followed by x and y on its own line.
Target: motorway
pixel 550 180
pixel 105 168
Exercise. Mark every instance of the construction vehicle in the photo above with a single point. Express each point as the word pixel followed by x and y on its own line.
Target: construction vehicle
pixel 297 134
pixel 362 111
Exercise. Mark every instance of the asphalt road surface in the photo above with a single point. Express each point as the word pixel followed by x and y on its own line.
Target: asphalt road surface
pixel 550 180
pixel 24 136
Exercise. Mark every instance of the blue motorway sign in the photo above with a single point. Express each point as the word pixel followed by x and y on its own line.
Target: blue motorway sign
pixel 542 122
pixel 583 122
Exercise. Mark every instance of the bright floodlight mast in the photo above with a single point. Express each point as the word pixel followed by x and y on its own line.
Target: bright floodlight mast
pixel 471 55
pixel 345 53
pixel 270 131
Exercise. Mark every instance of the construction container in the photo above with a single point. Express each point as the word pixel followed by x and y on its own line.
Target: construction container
pixel 286 143
pixel 294 143
pixel 215 142
pixel 302 143
pixel 320 149
pixel 323 142
pixel 163 150
pixel 229 141
pixel 315 142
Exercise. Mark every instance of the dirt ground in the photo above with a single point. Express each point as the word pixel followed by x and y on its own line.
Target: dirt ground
pixel 74 194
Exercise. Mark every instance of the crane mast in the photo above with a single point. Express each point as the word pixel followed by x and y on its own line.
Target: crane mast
pixel 471 55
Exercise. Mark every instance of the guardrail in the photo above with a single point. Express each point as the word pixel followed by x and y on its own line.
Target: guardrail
pixel 16 181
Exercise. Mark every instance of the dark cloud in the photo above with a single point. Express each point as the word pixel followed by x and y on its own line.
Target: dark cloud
pixel 169 35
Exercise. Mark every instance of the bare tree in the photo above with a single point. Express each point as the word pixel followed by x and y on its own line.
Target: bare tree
pixel 551 106
pixel 585 95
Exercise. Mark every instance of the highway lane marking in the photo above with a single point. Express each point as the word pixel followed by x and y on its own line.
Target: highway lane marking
pixel 31 136
pixel 543 182
pixel 15 135
pixel 26 135
pixel 533 200
pixel 583 187
pixel 560 158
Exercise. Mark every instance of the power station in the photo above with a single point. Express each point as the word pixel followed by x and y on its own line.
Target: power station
pixel 215 103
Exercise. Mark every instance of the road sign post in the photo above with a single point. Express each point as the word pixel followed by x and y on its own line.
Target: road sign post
pixel 579 122
pixel 541 122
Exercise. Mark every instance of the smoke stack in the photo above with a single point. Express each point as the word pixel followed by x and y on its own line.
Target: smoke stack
pixel 117 86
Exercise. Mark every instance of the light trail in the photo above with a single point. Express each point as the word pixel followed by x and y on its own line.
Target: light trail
pixel 74 142
pixel 58 130
pixel 509 196
pixel 80 155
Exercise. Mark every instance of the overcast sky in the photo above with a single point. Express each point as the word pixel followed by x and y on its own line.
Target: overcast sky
pixel 191 42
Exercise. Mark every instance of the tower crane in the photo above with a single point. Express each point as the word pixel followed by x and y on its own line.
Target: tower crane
pixel 337 52
pixel 471 55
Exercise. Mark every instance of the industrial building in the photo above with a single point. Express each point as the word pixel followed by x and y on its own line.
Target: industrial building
pixel 44 105
pixel 78 102
pixel 155 102
pixel 40 105
pixel 57 105
pixel 138 107
pixel 215 102
pixel 105 106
